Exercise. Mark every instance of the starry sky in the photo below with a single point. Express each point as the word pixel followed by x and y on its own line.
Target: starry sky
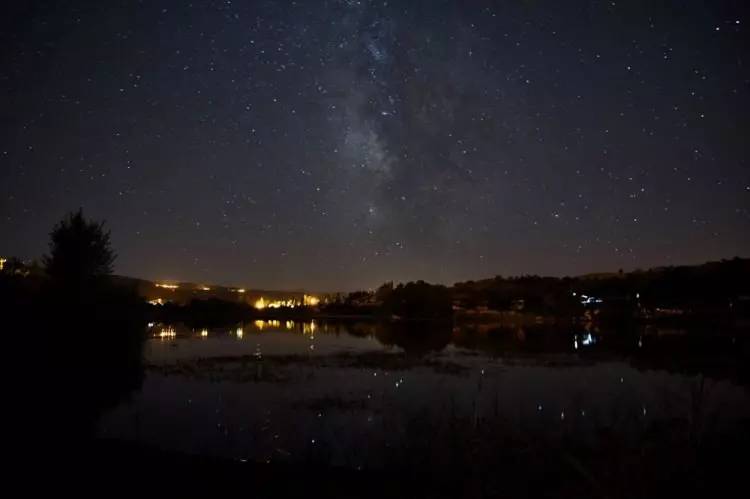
pixel 335 145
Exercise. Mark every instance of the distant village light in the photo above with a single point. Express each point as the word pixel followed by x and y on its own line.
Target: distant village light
pixel 167 286
pixel 262 303
pixel 167 333
pixel 310 301
pixel 2 263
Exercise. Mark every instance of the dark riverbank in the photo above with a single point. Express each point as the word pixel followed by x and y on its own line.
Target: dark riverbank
pixel 517 469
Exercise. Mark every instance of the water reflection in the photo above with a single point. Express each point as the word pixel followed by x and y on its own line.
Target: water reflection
pixel 583 340
pixel 364 395
pixel 663 348
pixel 167 333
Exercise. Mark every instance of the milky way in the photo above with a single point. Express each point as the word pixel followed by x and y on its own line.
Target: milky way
pixel 339 144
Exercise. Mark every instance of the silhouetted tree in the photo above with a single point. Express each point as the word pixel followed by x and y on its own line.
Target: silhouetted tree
pixel 383 292
pixel 80 250
pixel 419 300
pixel 88 330
pixel 357 298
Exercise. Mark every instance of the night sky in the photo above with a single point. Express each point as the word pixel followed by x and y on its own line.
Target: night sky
pixel 334 145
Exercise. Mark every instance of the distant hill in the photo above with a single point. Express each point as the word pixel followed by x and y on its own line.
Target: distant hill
pixel 711 288
pixel 184 292
pixel 712 266
pixel 602 275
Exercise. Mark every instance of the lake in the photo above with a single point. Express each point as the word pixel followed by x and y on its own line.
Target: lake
pixel 365 396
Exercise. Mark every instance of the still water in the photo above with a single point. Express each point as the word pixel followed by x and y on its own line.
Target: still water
pixel 361 395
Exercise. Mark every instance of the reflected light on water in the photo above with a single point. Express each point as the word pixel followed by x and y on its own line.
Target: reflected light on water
pixel 274 323
pixel 309 328
pixel 587 339
pixel 167 333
